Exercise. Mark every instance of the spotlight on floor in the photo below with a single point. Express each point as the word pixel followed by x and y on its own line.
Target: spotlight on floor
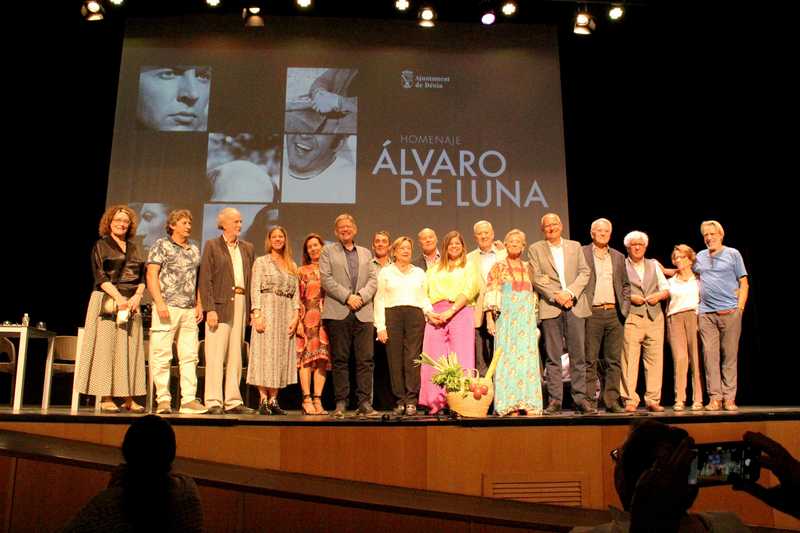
pixel 402 5
pixel 212 3
pixel 92 10
pixel 584 22
pixel 616 11
pixel 427 16
pixel 304 3
pixel 488 17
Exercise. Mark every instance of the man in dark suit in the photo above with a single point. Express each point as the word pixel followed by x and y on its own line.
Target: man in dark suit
pixel 560 275
pixel 428 243
pixel 609 293
pixel 349 278
pixel 224 288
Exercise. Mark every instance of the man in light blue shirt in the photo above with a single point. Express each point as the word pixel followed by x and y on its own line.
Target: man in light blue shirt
pixel 723 295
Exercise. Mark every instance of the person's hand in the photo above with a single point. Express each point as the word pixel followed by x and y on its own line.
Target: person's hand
pixel 637 300
pixel 383 336
pixel 325 101
pixel 198 313
pixel 564 299
pixel 163 312
pixel 133 303
pixel 292 329
pixel 212 320
pixel 301 330
pixel 260 324
pixel 660 496
pixel 435 319
pixel 122 303
pixel 491 327
pixel 653 299
pixel 354 302
pixel 785 496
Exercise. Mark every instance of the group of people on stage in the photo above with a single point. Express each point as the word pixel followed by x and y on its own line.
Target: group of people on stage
pixel 605 310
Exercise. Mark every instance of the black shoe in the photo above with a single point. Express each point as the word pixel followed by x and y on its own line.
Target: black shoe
pixel 553 408
pixel 216 410
pixel 365 410
pixel 263 409
pixel 585 408
pixel 240 410
pixel 341 407
pixel 399 410
pixel 615 408
pixel 276 409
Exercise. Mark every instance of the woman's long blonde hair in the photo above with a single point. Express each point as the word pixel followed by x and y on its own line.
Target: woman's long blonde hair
pixel 291 266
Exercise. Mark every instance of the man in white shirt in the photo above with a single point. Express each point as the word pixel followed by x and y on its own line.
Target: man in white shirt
pixel 482 259
pixel 428 242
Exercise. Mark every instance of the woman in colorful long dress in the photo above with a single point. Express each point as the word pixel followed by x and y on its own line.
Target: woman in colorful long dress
pixel 511 307
pixel 452 288
pixel 275 302
pixel 313 352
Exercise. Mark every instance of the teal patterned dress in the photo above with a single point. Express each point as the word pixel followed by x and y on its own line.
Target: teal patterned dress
pixel 517 378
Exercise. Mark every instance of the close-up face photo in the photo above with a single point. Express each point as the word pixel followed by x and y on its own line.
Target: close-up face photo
pixel 152 220
pixel 174 98
pixel 311 154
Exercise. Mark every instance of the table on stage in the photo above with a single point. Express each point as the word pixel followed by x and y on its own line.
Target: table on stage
pixel 25 333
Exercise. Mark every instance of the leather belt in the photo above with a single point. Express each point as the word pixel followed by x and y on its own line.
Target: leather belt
pixel 238 290
pixel 605 306
pixel 725 312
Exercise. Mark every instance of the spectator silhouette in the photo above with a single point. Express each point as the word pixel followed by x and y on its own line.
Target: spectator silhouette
pixel 143 494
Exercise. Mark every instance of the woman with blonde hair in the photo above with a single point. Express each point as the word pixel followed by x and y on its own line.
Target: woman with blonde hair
pixel 275 303
pixel 452 288
pixel 112 351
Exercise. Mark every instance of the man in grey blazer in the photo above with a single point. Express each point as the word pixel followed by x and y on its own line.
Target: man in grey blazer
pixel 349 279
pixel 224 287
pixel 609 293
pixel 560 275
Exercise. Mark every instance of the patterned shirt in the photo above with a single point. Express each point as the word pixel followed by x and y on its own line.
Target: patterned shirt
pixel 178 274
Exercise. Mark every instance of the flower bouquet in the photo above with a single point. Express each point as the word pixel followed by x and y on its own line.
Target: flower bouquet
pixel 468 394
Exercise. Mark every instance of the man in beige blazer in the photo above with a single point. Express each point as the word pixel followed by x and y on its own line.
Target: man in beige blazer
pixel 482 259
pixel 224 288
pixel 560 275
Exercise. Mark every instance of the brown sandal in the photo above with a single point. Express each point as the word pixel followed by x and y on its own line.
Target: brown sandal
pixel 318 406
pixel 308 406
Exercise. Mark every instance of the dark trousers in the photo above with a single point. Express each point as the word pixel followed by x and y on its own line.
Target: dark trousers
pixel 604 331
pixel 565 333
pixel 484 349
pixel 349 337
pixel 405 326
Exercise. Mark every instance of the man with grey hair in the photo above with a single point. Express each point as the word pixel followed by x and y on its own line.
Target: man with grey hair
pixel 609 293
pixel 644 326
pixel 225 271
pixel 723 295
pixel 482 259
pixel 560 275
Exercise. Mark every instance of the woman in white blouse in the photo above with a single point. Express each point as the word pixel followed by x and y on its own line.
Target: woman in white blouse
pixel 401 304
pixel 684 292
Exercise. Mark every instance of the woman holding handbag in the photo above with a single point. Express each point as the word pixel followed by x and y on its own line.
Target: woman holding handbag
pixel 112 352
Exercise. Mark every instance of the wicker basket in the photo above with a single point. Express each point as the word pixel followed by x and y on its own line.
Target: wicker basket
pixel 464 403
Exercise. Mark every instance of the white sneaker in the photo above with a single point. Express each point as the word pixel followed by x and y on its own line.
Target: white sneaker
pixel 164 408
pixel 193 408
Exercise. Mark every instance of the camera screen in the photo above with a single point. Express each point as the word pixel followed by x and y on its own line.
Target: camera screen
pixel 722 463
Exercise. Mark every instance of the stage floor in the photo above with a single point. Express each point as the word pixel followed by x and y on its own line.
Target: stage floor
pixel 296 418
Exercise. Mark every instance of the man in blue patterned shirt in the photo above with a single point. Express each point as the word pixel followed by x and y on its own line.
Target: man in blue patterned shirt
pixel 172 266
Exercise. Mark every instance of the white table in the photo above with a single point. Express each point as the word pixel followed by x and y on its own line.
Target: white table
pixel 24 333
